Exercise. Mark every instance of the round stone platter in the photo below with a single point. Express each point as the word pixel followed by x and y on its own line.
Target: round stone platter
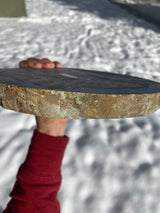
pixel 77 93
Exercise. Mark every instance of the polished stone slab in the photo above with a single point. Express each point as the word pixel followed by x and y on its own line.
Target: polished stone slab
pixel 77 93
pixel 78 80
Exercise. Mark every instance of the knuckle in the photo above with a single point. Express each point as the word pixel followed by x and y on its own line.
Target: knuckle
pixel 22 63
pixel 32 60
pixel 45 59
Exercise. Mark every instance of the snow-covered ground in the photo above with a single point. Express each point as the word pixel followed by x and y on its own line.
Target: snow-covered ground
pixel 145 9
pixel 110 166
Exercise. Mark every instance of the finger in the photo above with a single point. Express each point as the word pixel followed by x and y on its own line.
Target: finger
pixel 57 64
pixel 45 60
pixel 34 63
pixel 47 64
pixel 23 64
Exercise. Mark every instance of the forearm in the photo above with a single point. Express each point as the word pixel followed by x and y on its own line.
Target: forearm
pixel 39 177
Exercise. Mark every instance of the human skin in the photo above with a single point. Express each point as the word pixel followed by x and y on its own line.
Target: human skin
pixel 49 126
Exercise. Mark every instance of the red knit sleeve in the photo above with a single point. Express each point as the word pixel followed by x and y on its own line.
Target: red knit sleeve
pixel 39 177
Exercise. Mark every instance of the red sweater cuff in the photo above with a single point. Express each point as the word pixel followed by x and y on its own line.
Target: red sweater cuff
pixel 43 141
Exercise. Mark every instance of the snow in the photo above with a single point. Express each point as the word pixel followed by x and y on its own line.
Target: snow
pixel 109 165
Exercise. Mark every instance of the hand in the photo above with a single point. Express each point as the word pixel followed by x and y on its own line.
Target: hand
pixel 49 126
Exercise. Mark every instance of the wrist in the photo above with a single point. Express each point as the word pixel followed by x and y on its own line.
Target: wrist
pixel 52 127
pixel 51 132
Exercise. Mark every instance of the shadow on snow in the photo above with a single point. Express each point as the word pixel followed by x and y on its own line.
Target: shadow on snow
pixel 111 10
